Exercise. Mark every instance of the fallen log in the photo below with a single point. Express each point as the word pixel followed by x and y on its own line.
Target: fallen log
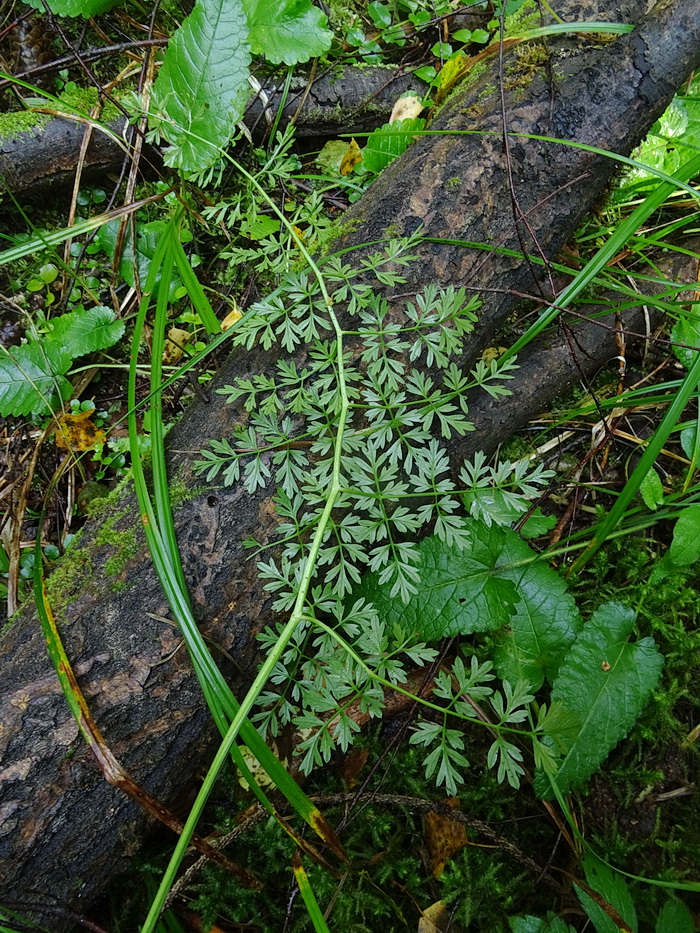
pixel 352 100
pixel 63 831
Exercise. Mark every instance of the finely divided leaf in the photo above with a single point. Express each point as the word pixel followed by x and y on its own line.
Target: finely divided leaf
pixel 605 681
pixel 289 31
pixel 388 142
pixel 202 85
pixel 544 624
pixel 460 591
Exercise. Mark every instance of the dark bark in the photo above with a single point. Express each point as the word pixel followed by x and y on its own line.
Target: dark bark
pixel 63 830
pixel 345 100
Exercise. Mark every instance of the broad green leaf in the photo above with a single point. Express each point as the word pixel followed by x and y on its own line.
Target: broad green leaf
pixel 529 924
pixel 30 375
pixel 200 91
pixel 688 441
pixel 460 591
pixel 652 490
pixel 388 142
pixel 289 31
pixel 613 888
pixel 84 8
pixel 544 624
pixel 81 332
pixel 674 917
pixel 28 381
pixel 685 546
pixel 686 331
pixel 605 681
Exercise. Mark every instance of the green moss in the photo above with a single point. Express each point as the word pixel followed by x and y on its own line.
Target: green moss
pixel 24 121
pixel 124 541
pixel 71 579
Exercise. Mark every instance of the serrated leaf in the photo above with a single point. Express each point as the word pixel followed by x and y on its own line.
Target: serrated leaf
pixel 652 490
pixel 388 142
pixel 289 31
pixel 31 375
pixel 84 8
pixel 674 917
pixel 28 381
pixel 84 331
pixel 685 546
pixel 529 924
pixel 544 624
pixel 613 888
pixel 686 331
pixel 606 681
pixel 460 591
pixel 202 85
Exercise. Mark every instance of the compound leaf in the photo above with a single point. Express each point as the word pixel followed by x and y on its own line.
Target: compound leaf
pixel 544 624
pixel 605 681
pixel 201 88
pixel 460 591
pixel 289 31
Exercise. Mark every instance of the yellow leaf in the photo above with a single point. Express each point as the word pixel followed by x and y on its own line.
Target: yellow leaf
pixel 351 158
pixel 444 838
pixel 235 314
pixel 449 75
pixel 174 345
pixel 406 108
pixel 76 431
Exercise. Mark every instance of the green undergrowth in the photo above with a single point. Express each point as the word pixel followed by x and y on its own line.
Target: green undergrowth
pixel 627 813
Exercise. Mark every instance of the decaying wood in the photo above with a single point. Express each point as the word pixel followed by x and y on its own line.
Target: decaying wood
pixel 63 831
pixel 346 100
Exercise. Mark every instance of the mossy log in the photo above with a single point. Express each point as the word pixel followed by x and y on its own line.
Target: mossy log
pixel 37 151
pixel 63 830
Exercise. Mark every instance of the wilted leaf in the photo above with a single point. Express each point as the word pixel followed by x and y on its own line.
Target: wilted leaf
pixel 289 31
pixel 436 919
pixel 77 431
pixel 606 682
pixel 444 837
pixel 406 108
pixel 202 85
pixel 449 75
pixel 175 344
pixel 235 314
pixel 353 156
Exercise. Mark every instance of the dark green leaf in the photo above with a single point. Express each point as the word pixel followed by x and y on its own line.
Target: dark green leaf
pixel 605 681
pixel 613 888
pixel 459 591
pixel 202 85
pixel 674 918
pixel 28 381
pixel 544 624
pixel 289 31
